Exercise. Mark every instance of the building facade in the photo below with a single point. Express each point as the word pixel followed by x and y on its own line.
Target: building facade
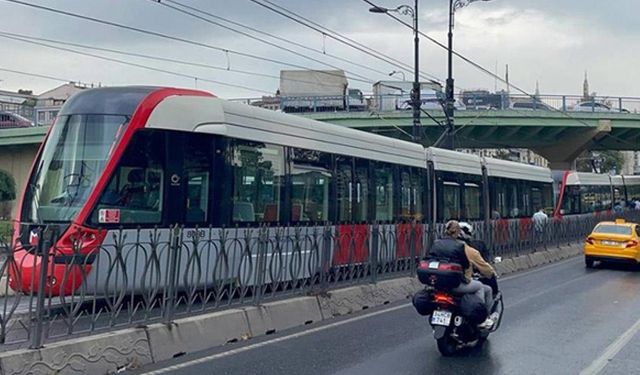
pixel 49 103
pixel 521 155
pixel 21 103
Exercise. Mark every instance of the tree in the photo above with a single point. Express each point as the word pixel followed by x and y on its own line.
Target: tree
pixel 600 162
pixel 7 193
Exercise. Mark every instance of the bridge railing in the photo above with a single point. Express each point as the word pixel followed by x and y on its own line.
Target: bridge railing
pixel 140 276
pixel 463 101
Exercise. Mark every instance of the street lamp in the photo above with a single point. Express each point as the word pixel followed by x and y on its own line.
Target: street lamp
pixel 416 101
pixel 392 74
pixel 450 102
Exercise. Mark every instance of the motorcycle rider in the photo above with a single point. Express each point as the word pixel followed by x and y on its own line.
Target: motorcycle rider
pixel 453 249
pixel 466 235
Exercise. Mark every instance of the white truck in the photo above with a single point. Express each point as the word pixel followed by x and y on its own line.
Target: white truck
pixel 313 90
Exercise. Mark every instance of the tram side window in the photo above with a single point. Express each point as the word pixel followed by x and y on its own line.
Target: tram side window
pixel 406 194
pixel 258 171
pixel 472 201
pixel 571 200
pixel 537 199
pixel 383 185
pixel 134 194
pixel 514 209
pixel 417 194
pixel 451 193
pixel 344 188
pixel 361 212
pixel 197 165
pixel 310 185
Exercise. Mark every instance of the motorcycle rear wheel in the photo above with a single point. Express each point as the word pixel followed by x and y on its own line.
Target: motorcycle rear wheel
pixel 447 346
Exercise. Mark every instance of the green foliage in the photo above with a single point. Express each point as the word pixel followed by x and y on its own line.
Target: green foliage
pixel 7 187
pixel 603 161
pixel 6 228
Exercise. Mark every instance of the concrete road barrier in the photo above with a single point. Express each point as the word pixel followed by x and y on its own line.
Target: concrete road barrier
pixel 280 315
pixel 197 333
pixel 104 353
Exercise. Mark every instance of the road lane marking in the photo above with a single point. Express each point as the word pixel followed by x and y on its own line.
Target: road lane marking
pixel 319 329
pixel 273 341
pixel 601 362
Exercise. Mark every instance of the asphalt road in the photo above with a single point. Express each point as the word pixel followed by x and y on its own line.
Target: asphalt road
pixel 560 319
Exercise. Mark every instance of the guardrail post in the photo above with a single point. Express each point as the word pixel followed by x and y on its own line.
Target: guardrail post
pixel 620 104
pixel 172 275
pixel 325 258
pixel 564 103
pixel 263 240
pixel 42 250
pixel 373 253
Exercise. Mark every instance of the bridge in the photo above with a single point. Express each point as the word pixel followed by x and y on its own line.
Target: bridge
pixel 558 136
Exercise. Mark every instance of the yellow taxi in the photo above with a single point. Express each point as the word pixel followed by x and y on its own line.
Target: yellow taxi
pixel 613 241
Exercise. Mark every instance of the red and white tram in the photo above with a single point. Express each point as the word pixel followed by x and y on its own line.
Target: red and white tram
pixel 133 161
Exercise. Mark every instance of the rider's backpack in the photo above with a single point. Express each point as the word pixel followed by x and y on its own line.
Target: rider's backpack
pixel 473 308
pixel 423 302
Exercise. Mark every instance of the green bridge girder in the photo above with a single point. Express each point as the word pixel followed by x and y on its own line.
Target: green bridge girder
pixel 504 128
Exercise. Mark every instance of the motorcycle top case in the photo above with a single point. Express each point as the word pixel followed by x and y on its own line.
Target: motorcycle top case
pixel 440 275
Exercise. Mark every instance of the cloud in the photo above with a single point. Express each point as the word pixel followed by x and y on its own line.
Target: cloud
pixel 541 40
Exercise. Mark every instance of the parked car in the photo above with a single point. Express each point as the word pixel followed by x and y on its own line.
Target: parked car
pixel 430 104
pixel 530 105
pixel 592 106
pixel 13 120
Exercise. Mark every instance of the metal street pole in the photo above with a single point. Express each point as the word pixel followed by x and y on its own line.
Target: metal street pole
pixel 416 100
pixel 449 141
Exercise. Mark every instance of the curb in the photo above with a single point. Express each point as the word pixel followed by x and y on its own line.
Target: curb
pixel 135 347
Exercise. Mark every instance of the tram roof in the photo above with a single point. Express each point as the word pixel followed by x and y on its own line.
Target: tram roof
pixel 632 180
pixel 453 161
pixel 585 178
pixel 520 171
pixel 237 120
pixel 617 180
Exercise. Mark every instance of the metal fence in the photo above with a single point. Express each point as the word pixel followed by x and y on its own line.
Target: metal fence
pixel 463 101
pixel 137 276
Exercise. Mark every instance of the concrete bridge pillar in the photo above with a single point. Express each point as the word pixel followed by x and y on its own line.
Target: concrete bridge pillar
pixel 563 154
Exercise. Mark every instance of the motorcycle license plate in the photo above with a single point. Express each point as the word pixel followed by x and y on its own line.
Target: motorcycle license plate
pixel 441 318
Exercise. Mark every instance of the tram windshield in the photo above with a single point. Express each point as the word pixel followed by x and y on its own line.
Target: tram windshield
pixel 71 163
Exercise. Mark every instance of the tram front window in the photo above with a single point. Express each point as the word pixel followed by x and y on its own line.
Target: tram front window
pixel 71 163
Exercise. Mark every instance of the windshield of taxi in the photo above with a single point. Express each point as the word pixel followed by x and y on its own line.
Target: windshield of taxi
pixel 613 229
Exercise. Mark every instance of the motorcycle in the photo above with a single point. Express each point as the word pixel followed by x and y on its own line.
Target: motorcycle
pixel 451 315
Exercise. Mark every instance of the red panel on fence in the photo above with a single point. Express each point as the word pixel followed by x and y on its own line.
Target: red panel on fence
pixel 501 234
pixel 403 235
pixel 525 227
pixel 351 244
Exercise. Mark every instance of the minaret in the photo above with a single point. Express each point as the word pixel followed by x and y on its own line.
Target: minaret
pixel 585 87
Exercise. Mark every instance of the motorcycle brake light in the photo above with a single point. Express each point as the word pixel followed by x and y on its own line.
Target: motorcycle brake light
pixel 443 298
pixel 450 267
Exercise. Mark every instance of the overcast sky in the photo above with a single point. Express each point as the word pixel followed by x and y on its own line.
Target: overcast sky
pixel 550 41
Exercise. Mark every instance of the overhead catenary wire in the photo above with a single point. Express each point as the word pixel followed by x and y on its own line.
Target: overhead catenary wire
pixel 340 38
pixel 159 58
pixel 167 3
pixel 147 67
pixel 170 37
pixel 37 75
pixel 481 68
